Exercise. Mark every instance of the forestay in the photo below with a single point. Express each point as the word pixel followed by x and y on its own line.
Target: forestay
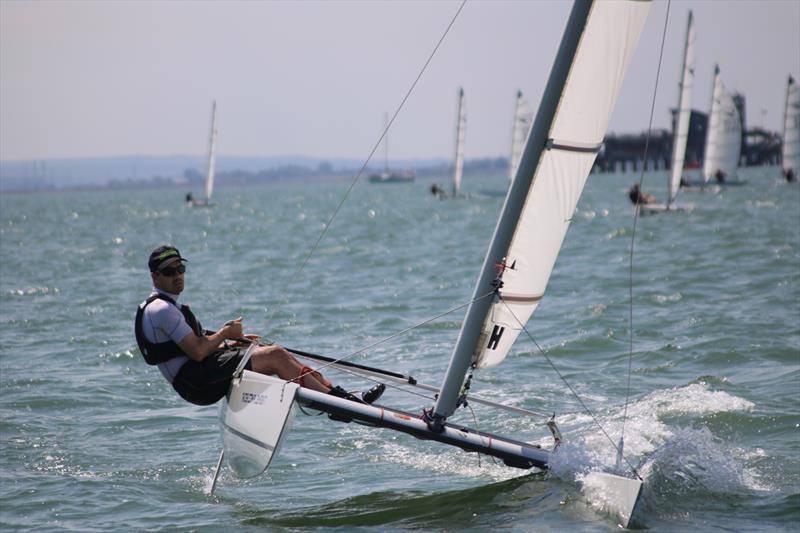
pixel 684 112
pixel 724 138
pixel 461 125
pixel 791 130
pixel 588 72
pixel 212 143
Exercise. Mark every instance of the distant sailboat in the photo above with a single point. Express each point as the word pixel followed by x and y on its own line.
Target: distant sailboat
pixel 724 137
pixel 519 132
pixel 791 132
pixel 461 126
pixel 212 144
pixel 386 176
pixel 598 43
pixel 681 124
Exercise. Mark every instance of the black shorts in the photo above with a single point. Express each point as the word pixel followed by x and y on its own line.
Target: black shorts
pixel 207 381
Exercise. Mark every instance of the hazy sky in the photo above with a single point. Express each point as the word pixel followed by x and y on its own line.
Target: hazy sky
pixel 85 79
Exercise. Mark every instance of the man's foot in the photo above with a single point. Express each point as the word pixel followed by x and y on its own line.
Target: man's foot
pixel 369 396
pixel 339 392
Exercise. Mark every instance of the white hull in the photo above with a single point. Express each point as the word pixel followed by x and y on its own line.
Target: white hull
pixel 663 208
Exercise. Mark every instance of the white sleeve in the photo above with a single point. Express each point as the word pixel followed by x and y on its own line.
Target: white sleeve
pixel 168 322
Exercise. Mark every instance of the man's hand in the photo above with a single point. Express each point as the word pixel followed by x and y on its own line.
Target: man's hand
pixel 247 340
pixel 233 328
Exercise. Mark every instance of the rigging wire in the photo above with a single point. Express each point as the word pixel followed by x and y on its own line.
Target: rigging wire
pixel 636 211
pixel 397 334
pixel 327 225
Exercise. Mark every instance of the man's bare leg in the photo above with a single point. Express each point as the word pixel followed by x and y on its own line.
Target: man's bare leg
pixel 275 360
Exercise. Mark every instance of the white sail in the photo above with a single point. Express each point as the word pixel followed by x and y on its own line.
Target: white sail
pixel 684 113
pixel 791 130
pixel 598 43
pixel 212 143
pixel 461 126
pixel 724 136
pixel 519 132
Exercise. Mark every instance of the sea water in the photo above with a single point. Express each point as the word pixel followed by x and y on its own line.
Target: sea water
pixel 91 438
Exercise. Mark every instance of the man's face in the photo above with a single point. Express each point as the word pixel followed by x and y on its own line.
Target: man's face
pixel 170 278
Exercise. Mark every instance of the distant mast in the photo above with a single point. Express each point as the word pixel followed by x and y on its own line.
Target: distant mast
pixel 386 144
pixel 684 113
pixel 461 124
pixel 519 132
pixel 212 144
pixel 791 132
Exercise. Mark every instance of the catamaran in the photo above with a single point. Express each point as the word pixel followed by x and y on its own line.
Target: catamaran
pixel 212 144
pixel 791 132
pixel 598 42
pixel 724 137
pixel 388 176
pixel 681 126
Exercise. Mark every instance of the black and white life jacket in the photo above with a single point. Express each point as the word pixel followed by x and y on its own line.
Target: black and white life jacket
pixel 161 352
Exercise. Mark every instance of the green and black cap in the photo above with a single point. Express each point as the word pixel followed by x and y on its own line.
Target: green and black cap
pixel 164 256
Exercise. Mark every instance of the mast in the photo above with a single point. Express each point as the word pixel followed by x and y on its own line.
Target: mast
pixel 683 115
pixel 386 144
pixel 211 152
pixel 461 123
pixel 560 150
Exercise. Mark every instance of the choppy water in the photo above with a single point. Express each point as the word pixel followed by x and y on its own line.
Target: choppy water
pixel 91 438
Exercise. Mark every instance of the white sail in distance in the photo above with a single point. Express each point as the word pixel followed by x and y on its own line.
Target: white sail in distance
pixel 212 145
pixel 461 126
pixel 595 51
pixel 724 136
pixel 519 132
pixel 684 113
pixel 791 130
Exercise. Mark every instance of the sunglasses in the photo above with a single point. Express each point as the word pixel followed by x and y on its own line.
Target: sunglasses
pixel 173 271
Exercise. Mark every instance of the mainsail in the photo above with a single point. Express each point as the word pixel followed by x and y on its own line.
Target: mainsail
pixel 684 113
pixel 519 132
pixel 791 131
pixel 724 137
pixel 580 95
pixel 211 152
pixel 461 126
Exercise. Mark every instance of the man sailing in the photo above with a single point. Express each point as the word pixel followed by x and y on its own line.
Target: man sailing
pixel 200 363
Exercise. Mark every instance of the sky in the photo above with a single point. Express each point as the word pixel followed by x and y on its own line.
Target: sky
pixel 101 79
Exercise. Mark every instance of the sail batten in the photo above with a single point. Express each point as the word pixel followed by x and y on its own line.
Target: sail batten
pixel 560 149
pixel 571 146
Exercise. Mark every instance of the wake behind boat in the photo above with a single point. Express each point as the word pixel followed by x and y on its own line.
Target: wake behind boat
pixel 597 46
